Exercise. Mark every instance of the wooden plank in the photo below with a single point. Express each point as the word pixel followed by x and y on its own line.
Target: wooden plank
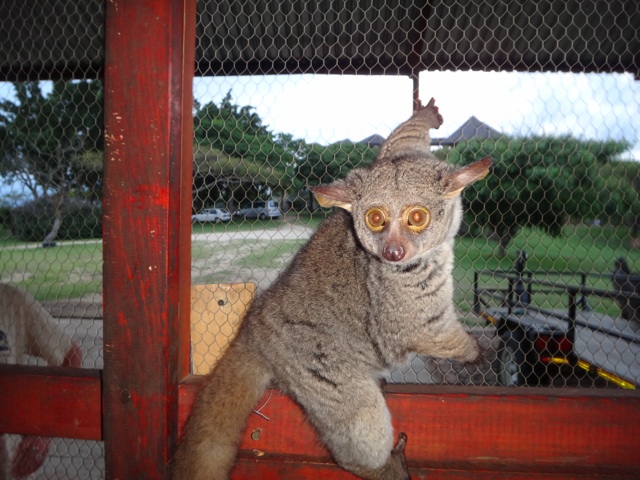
pixel 51 401
pixel 598 344
pixel 149 62
pixel 584 432
pixel 606 323
pixel 216 314
pixel 301 469
pixel 609 352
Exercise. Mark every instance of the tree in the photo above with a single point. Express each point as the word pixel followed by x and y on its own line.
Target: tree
pixel 51 143
pixel 325 164
pixel 538 182
pixel 240 133
pixel 219 177
pixel 619 199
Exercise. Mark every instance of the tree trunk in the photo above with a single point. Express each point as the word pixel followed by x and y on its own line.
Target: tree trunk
pixel 502 247
pixel 503 241
pixel 49 240
pixel 313 206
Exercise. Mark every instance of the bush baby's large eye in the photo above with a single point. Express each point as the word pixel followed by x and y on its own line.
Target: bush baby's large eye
pixel 375 219
pixel 418 218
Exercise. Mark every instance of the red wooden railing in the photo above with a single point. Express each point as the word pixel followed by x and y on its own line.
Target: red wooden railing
pixel 454 432
pixel 138 402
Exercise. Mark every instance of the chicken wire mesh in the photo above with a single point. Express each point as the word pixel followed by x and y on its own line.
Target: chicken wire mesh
pixel 51 253
pixel 268 123
pixel 559 189
pixel 50 282
pixel 51 143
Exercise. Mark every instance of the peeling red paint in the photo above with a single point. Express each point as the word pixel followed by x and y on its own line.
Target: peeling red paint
pixel 147 196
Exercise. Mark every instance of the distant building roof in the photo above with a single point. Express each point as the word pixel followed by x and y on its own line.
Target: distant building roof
pixel 472 128
pixel 374 140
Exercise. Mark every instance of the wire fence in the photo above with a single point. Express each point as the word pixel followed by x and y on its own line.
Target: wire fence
pixel 547 259
pixel 563 187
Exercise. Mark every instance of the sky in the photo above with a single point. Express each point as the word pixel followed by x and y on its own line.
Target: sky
pixel 328 108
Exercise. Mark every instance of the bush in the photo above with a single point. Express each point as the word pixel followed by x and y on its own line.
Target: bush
pixel 5 215
pixel 34 220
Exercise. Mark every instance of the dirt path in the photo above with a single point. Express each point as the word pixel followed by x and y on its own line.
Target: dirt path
pixel 285 231
pixel 255 256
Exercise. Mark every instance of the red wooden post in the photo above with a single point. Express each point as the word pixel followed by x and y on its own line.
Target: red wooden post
pixel 149 64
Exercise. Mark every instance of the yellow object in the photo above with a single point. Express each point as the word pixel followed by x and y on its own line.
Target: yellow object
pixel 622 383
pixel 217 311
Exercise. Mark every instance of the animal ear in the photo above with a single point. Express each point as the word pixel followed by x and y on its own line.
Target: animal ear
pixel 463 177
pixel 334 195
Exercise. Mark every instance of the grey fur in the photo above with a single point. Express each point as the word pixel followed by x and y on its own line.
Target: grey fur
pixel 352 303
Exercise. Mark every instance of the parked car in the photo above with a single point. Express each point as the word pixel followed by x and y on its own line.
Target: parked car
pixel 213 215
pixel 261 210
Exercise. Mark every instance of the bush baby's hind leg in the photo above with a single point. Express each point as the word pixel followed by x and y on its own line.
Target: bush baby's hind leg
pixel 394 469
pixel 358 432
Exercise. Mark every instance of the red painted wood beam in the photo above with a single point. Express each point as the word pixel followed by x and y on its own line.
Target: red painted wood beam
pixel 149 64
pixel 51 401
pixel 479 429
pixel 301 469
pixel 454 432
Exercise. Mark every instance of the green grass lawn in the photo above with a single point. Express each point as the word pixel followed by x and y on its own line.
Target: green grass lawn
pixel 580 249
pixel 5 237
pixel 69 270
pixel 74 269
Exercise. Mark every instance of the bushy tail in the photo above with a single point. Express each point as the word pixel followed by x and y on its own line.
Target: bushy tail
pixel 218 418
pixel 412 138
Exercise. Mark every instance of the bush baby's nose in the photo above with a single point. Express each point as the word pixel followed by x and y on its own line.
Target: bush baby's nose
pixel 393 252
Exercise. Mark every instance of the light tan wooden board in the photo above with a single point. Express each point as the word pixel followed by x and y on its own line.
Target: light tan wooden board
pixel 216 314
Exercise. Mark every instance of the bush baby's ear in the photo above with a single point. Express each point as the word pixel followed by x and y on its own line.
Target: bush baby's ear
pixel 334 195
pixel 458 180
